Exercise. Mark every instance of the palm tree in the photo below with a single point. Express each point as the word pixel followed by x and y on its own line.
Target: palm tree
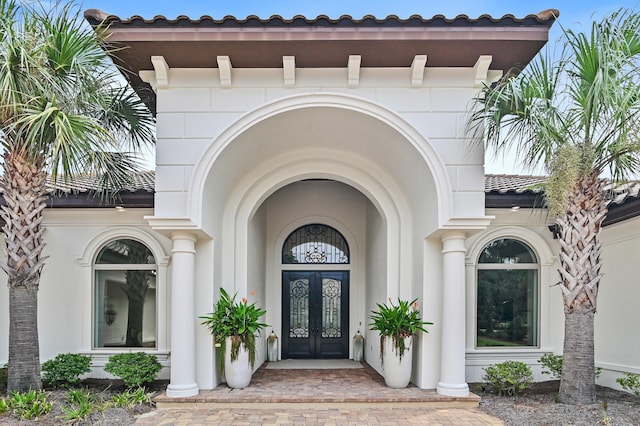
pixel 62 111
pixel 577 115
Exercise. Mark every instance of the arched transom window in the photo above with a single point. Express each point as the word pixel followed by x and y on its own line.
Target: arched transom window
pixel 507 295
pixel 315 244
pixel 124 294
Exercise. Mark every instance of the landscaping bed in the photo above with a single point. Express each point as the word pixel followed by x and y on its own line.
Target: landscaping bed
pixel 108 414
pixel 537 406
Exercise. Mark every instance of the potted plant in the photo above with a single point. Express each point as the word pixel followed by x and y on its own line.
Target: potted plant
pixel 234 326
pixel 397 324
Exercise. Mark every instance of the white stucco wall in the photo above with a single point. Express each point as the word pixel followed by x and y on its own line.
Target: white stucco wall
pixel 617 323
pixel 617 346
pixel 226 156
pixel 257 290
pixel 65 295
pixel 376 283
pixel 194 110
pixel 530 227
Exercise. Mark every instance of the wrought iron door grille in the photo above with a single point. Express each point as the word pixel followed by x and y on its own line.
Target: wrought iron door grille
pixel 315 244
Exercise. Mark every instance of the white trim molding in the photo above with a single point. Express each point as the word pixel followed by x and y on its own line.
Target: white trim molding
pixel 86 260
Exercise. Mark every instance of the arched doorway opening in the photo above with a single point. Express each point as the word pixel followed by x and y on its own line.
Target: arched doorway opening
pixel 315 301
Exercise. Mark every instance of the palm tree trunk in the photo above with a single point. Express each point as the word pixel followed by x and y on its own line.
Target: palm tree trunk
pixel 580 251
pixel 24 354
pixel 577 385
pixel 23 185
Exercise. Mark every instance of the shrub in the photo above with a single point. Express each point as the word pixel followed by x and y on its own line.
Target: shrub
pixel 65 369
pixel 509 377
pixel 631 383
pixel 134 368
pixel 552 364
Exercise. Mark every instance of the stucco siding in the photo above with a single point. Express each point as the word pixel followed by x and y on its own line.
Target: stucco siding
pixel 617 323
pixel 66 286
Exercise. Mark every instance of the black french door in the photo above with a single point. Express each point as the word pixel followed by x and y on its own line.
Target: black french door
pixel 315 314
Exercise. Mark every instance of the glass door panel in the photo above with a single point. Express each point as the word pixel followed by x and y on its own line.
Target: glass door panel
pixel 299 308
pixel 315 314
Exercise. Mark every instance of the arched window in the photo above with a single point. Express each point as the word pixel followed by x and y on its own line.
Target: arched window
pixel 315 244
pixel 124 294
pixel 507 295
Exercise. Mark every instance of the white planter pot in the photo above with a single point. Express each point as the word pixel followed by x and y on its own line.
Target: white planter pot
pixel 396 369
pixel 237 373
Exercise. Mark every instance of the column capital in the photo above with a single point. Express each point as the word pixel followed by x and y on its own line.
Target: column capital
pixel 454 242
pixel 184 235
pixel 183 242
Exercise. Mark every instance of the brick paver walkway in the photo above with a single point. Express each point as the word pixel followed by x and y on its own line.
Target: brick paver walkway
pixel 361 415
pixel 317 397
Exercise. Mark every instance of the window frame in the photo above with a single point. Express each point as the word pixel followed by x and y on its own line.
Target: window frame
pixel 506 267
pixel 540 248
pixel 121 267
pixel 87 261
pixel 346 252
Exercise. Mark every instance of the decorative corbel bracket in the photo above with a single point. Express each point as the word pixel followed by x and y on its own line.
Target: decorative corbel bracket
pixel 481 70
pixel 162 71
pixel 224 67
pixel 354 70
pixel 417 70
pixel 289 70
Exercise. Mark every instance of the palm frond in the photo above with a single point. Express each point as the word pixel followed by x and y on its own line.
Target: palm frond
pixel 585 101
pixel 62 104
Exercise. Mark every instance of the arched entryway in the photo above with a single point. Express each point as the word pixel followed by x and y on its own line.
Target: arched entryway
pixel 315 301
pixel 328 159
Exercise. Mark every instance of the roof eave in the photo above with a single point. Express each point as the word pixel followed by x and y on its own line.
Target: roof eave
pixel 321 42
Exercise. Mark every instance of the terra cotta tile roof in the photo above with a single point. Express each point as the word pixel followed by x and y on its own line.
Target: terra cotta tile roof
pixel 141 181
pixel 493 183
pixel 518 184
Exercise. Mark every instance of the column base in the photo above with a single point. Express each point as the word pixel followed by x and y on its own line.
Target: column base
pixel 182 391
pixel 449 389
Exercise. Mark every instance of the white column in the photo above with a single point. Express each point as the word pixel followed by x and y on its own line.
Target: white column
pixel 452 363
pixel 183 316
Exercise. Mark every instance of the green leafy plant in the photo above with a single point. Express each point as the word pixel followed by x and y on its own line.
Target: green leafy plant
pixel 238 320
pixel 509 377
pixel 134 368
pixel 4 407
pixel 80 404
pixel 552 364
pixel 65 369
pixel 397 321
pixel 28 405
pixel 132 397
pixel 630 382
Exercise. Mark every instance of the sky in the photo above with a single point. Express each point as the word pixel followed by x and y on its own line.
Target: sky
pixel 574 14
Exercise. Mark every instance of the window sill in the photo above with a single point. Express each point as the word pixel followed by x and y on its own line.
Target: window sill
pixel 511 353
pixel 100 357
